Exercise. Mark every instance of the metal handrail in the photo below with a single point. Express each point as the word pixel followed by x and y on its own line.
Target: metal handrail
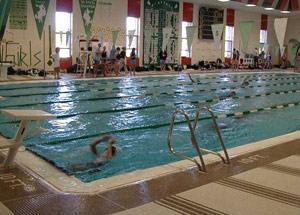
pixel 225 161
pixel 201 167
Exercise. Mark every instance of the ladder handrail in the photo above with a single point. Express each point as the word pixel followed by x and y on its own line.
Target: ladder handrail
pixel 227 161
pixel 193 138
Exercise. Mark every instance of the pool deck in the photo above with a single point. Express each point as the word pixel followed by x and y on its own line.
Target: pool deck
pixel 263 178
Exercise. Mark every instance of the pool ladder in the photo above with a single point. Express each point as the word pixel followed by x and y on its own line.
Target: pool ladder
pixel 202 167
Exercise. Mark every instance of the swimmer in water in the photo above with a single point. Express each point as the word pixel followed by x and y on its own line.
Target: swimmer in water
pixel 246 82
pixel 103 158
pixel 232 94
pixel 192 80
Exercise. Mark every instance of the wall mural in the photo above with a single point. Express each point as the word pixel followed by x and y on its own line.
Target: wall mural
pixel 18 15
pixel 160 15
pixel 208 17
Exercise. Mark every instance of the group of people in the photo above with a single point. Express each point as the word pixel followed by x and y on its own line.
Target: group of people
pixel 115 63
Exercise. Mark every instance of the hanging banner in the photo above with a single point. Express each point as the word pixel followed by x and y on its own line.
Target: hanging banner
pixel 280 28
pixel 131 35
pixel 61 36
pixel 246 29
pixel 18 15
pixel 190 32
pixel 68 35
pixel 101 37
pixel 5 6
pixel 282 50
pixel 166 37
pixel 40 10
pixel 217 34
pixel 115 35
pixel 277 48
pixel 294 51
pixel 87 8
pixel 147 39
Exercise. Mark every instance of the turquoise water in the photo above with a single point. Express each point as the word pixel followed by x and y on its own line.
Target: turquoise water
pixel 134 112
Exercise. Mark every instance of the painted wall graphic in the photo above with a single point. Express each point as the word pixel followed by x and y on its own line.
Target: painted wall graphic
pixel 5 6
pixel 40 10
pixel 160 15
pixel 208 17
pixel 87 8
pixel 18 15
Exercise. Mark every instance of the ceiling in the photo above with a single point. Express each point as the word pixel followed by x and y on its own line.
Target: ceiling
pixel 278 5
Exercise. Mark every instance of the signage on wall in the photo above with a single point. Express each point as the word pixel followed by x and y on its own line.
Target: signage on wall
pixel 208 17
pixel 18 15
pixel 40 10
pixel 87 8
pixel 159 16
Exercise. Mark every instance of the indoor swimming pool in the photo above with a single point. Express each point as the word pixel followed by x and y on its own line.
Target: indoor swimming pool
pixel 137 113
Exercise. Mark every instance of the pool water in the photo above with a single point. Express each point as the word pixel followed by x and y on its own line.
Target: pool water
pixel 137 113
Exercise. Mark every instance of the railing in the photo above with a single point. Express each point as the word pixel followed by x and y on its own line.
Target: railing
pixel 202 167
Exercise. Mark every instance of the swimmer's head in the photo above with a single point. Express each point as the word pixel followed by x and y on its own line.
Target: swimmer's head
pixel 233 94
pixel 246 83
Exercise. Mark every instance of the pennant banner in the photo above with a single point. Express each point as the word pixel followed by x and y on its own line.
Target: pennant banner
pixel 277 48
pixel 190 32
pixel 115 37
pixel 282 50
pixel 61 36
pixel 246 29
pixel 147 39
pixel 68 35
pixel 40 10
pixel 217 30
pixel 266 47
pixel 166 37
pixel 280 28
pixel 5 6
pixel 131 35
pixel 87 8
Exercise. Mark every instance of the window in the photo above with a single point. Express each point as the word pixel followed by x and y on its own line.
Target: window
pixel 263 37
pixel 184 41
pixel 229 38
pixel 63 33
pixel 133 24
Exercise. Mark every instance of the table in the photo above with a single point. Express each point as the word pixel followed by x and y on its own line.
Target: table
pixel 4 67
pixel 26 116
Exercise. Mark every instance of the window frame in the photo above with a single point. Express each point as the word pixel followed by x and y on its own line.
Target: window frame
pixel 184 38
pixel 136 36
pixel 229 39
pixel 64 33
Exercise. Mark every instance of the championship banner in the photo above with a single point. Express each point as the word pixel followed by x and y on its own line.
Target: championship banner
pixel 5 6
pixel 115 35
pixel 190 33
pixel 131 35
pixel 217 30
pixel 246 29
pixel 87 8
pixel 280 28
pixel 147 39
pixel 166 37
pixel 40 10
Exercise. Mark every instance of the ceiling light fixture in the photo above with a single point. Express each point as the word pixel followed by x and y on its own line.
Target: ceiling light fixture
pixel 250 5
pixel 269 8
pixel 285 11
pixel 223 0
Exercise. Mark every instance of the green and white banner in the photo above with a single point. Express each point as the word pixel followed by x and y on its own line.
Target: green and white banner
pixel 190 33
pixel 147 38
pixel 87 8
pixel 166 37
pixel 131 35
pixel 246 29
pixel 5 6
pixel 217 30
pixel 280 29
pixel 115 35
pixel 40 10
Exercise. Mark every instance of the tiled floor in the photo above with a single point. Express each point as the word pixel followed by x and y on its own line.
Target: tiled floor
pixel 270 189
